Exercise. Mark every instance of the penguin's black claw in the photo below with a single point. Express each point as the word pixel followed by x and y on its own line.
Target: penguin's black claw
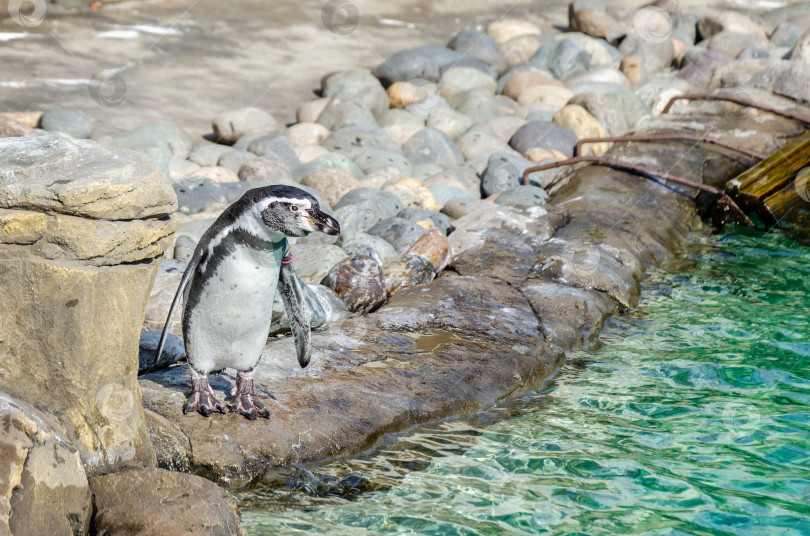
pixel 242 400
pixel 202 399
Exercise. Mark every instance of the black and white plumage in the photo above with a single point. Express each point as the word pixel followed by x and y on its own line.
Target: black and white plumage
pixel 228 289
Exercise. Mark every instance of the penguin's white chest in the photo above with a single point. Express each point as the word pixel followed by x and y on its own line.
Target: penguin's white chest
pixel 231 318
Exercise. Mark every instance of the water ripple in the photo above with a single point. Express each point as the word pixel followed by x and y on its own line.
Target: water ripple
pixel 691 416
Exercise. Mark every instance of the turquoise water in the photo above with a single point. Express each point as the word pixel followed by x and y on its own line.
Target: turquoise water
pixel 690 416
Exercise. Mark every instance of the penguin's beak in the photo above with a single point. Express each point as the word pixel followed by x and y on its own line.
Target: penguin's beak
pixel 323 222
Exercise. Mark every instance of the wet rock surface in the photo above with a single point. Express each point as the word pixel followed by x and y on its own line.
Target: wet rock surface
pixel 482 296
pixel 156 501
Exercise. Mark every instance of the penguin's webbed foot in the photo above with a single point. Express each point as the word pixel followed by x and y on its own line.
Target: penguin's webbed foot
pixel 242 400
pixel 202 398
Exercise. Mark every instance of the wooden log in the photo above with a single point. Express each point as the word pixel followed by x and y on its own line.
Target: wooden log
pixel 769 188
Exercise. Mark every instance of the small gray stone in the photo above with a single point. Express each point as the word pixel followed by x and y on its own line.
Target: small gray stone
pixel 301 170
pixel 244 142
pixel 469 63
pixel 195 193
pixel 445 192
pixel 407 65
pixel 355 242
pixel 699 64
pixel 480 144
pixel 354 141
pixel 653 55
pixel 70 122
pixel 398 116
pixel 232 125
pixel 340 161
pixel 275 147
pixel 374 160
pixel 431 146
pixel 592 18
pixel 169 138
pixel 442 56
pixel 173 350
pixel 359 84
pixel 504 172
pixel 313 262
pixel 234 160
pixel 480 105
pixel 563 58
pixel 801 50
pixel 787 33
pixel 451 122
pixel 611 118
pixel 423 171
pixel 633 108
pixel 346 111
pixel 269 170
pixel 207 153
pixel 523 196
pixel 383 203
pixel 398 232
pixel 476 44
pixel 753 53
pixel 415 214
pixel 732 43
pixel 545 135
pixel 463 78
pixel 684 28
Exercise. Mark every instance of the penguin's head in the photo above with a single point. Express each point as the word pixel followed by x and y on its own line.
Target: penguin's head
pixel 294 212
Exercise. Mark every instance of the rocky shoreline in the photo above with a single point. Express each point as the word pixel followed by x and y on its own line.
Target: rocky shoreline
pixel 487 282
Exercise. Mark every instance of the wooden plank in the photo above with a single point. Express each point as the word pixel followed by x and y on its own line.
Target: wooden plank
pixel 774 174
pixel 789 207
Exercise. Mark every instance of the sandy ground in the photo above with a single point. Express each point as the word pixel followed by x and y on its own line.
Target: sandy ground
pixel 184 61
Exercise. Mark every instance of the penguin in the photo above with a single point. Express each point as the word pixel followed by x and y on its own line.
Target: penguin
pixel 228 289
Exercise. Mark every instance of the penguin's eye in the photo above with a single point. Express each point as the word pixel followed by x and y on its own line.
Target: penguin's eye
pixel 294 208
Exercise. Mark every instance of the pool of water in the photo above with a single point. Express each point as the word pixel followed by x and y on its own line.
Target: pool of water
pixel 691 415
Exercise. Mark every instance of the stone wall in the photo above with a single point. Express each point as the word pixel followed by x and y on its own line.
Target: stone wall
pixel 81 227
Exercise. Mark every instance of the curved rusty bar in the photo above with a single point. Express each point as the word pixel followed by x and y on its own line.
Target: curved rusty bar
pixel 724 201
pixel 736 100
pixel 666 137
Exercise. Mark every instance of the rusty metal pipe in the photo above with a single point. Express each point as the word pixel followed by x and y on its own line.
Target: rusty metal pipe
pixel 667 137
pixel 728 204
pixel 736 100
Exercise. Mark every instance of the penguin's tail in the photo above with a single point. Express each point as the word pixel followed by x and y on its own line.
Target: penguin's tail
pixel 192 265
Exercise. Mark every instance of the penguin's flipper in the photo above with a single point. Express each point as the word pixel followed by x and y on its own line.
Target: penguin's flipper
pixel 192 266
pixel 289 287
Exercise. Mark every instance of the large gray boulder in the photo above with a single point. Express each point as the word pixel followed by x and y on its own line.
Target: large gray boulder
pixel 81 229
